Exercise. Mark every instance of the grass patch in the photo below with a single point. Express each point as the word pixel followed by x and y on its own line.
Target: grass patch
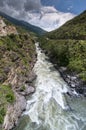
pixel 6 97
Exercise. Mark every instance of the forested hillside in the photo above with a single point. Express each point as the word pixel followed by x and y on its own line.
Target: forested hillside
pixel 66 46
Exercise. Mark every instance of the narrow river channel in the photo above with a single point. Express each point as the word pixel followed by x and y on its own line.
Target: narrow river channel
pixel 50 108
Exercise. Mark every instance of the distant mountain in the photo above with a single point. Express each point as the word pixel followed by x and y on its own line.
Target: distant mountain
pixel 66 47
pixel 24 24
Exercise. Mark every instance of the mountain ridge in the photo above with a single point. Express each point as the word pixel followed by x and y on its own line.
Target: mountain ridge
pixel 24 24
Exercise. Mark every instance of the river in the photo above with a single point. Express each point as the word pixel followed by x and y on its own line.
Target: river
pixel 50 108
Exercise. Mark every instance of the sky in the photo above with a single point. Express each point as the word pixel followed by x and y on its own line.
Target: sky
pixel 73 6
pixel 47 14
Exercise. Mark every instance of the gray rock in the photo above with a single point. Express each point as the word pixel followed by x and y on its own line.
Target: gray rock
pixel 29 89
pixel 14 112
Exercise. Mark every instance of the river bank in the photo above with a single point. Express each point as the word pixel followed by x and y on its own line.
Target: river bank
pixel 17 59
pixel 14 111
pixel 72 78
pixel 19 80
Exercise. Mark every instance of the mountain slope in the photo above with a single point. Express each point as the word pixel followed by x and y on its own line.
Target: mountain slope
pixel 66 47
pixel 73 29
pixel 24 24
pixel 17 58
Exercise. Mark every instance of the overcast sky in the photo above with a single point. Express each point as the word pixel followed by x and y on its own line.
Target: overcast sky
pixel 18 6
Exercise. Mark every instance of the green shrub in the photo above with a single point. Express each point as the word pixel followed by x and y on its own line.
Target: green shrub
pixel 2 114
pixel 10 98
pixel 22 88
pixel 6 97
pixel 83 75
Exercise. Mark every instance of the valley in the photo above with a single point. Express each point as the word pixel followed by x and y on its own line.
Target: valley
pixel 42 75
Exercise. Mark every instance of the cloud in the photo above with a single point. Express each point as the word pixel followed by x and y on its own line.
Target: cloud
pixel 32 11
pixel 1 3
pixel 32 5
pixel 69 8
pixel 15 4
pixel 26 5
pixel 49 18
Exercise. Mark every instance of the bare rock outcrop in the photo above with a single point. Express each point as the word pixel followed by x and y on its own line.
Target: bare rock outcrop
pixel 14 111
pixel 5 29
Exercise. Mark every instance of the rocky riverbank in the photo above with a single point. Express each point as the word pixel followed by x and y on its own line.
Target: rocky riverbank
pixel 15 110
pixel 73 80
pixel 21 85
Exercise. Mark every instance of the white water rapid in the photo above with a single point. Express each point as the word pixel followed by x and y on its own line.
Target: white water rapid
pixel 49 108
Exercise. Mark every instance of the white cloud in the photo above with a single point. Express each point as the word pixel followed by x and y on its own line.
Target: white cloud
pixel 46 17
pixel 32 5
pixel 69 8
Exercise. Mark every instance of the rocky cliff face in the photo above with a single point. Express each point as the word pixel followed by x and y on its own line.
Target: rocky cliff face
pixel 17 58
pixel 15 110
pixel 6 30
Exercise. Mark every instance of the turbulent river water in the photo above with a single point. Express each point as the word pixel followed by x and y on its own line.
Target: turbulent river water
pixel 49 108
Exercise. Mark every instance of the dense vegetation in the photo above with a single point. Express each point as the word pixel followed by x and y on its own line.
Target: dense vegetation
pixel 66 46
pixel 17 51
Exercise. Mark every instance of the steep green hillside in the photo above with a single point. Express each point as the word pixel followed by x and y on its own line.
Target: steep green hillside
pixel 17 57
pixel 73 29
pixel 66 46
